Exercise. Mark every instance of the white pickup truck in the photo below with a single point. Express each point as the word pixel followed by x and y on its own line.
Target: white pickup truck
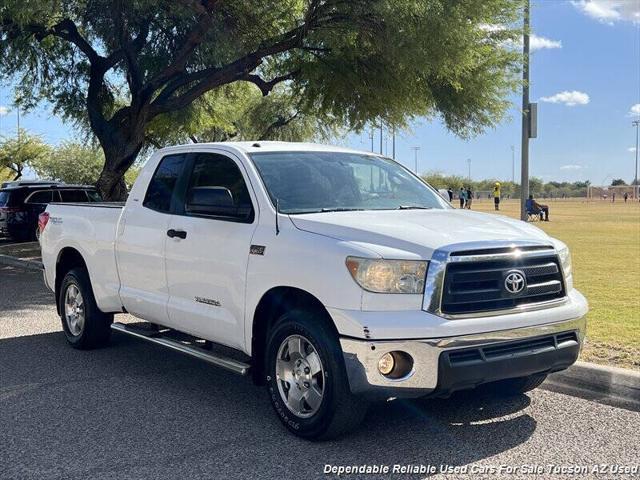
pixel 332 276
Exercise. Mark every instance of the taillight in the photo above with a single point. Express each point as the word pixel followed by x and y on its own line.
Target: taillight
pixel 43 219
pixel 10 209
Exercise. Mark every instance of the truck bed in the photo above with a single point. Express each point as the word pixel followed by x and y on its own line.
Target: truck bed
pixel 90 229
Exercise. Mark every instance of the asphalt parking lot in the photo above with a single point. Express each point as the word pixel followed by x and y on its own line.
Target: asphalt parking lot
pixel 134 410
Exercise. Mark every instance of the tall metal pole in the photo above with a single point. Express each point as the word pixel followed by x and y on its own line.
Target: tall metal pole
pixel 415 158
pixel 524 152
pixel 393 142
pixel 381 136
pixel 513 164
pixel 371 137
pixel 469 163
pixel 636 123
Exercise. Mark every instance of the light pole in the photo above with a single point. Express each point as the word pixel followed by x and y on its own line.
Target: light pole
pixel 469 163
pixel 524 152
pixel 393 142
pixel 381 135
pixel 636 123
pixel 513 164
pixel 415 156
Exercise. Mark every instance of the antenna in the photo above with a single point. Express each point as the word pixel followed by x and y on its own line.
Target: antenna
pixel 277 210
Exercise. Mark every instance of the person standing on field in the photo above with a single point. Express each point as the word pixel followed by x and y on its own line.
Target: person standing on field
pixel 496 196
pixel 469 198
pixel 462 197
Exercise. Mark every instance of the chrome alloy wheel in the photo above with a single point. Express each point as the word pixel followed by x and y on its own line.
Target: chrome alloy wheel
pixel 74 310
pixel 300 376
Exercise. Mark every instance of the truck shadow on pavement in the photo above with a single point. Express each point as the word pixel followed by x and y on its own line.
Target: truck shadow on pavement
pixel 22 289
pixel 134 410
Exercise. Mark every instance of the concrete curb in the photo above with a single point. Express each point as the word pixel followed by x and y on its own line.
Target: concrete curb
pixel 20 263
pixel 613 386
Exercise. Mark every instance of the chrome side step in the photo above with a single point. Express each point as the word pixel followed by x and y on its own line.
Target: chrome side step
pixel 227 363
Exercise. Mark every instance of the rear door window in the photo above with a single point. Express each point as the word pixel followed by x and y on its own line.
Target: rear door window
pixel 93 196
pixel 44 196
pixel 73 196
pixel 162 188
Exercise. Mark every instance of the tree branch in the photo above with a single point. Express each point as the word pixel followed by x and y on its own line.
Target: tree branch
pixel 266 86
pixel 193 40
pixel 279 123
pixel 210 78
pixel 68 31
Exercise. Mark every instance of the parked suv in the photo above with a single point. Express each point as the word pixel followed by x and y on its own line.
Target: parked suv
pixel 22 203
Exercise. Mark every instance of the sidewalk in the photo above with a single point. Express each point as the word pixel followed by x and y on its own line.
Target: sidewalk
pixel 24 255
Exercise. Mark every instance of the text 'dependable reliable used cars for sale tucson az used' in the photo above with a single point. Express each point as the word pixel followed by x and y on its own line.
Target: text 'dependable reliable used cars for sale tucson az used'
pixel 332 277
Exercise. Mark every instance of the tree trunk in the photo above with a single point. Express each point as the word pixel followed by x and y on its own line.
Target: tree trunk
pixel 18 171
pixel 121 146
pixel 118 158
pixel 111 185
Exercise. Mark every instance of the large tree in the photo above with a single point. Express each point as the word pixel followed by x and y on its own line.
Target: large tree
pixel 123 64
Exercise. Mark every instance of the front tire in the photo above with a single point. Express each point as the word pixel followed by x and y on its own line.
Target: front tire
pixel 306 379
pixel 84 325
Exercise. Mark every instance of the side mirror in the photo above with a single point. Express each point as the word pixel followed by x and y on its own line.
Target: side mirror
pixel 211 201
pixel 216 202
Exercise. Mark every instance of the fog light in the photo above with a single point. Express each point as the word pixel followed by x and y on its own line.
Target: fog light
pixel 386 364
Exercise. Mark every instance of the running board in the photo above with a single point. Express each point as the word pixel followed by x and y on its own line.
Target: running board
pixel 227 363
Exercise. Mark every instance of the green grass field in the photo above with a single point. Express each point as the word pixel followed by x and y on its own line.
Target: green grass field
pixel 604 239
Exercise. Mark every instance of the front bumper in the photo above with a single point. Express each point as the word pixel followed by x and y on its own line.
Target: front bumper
pixel 444 365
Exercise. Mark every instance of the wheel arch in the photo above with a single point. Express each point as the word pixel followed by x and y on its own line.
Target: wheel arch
pixel 274 303
pixel 68 259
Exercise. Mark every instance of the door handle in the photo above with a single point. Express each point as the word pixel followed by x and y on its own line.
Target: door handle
pixel 176 233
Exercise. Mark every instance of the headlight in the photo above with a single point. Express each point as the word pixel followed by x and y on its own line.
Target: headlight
pixel 565 260
pixel 388 276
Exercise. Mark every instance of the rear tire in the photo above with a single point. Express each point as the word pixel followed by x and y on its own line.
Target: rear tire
pixel 517 386
pixel 84 325
pixel 332 410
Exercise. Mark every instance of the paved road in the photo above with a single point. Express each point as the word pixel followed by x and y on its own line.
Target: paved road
pixel 137 411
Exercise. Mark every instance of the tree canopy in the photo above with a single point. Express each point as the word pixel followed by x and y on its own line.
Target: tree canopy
pixel 19 152
pixel 123 65
pixel 74 163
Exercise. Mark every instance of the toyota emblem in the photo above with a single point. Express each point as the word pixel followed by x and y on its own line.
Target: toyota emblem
pixel 514 282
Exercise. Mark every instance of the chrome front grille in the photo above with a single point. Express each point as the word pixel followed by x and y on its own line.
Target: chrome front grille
pixel 464 281
pixel 478 286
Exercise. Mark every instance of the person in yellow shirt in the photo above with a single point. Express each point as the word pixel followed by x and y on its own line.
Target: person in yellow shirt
pixel 496 196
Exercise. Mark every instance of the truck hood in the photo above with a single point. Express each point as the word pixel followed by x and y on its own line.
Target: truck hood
pixel 416 233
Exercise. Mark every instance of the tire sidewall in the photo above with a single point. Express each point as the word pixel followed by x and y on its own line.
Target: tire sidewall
pixel 71 278
pixel 301 323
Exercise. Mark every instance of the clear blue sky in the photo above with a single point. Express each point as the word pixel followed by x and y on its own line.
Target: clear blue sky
pixel 585 74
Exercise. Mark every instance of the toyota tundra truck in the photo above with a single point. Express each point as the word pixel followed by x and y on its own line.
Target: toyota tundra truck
pixel 332 277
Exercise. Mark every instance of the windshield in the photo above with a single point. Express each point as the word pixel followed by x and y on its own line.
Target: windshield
pixel 309 182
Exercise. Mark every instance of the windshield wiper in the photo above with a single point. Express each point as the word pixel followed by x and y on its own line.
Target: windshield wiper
pixel 413 207
pixel 341 209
